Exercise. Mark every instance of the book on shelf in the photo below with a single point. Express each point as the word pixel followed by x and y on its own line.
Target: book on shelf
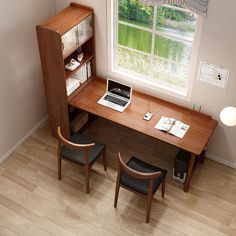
pixel 83 73
pixel 83 77
pixel 88 67
pixel 71 85
pixel 172 126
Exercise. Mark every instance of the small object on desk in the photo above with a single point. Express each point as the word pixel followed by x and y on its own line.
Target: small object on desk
pixel 72 65
pixel 148 116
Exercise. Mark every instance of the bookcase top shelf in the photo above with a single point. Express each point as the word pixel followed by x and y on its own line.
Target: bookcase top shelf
pixel 67 18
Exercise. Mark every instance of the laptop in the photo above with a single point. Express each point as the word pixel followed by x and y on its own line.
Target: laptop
pixel 117 96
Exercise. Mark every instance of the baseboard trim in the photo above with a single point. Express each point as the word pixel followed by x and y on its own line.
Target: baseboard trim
pixel 221 160
pixel 8 153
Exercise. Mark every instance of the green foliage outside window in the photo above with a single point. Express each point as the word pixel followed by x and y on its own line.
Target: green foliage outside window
pixel 133 10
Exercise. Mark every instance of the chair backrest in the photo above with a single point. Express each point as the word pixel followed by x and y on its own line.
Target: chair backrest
pixel 70 144
pixel 75 146
pixel 134 173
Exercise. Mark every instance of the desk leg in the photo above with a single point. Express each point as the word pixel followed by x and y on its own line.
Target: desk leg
pixel 203 155
pixel 190 172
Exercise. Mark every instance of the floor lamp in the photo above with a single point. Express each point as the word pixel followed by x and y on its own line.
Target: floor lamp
pixel 228 116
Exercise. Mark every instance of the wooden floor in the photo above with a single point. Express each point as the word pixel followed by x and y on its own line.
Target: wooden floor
pixel 33 202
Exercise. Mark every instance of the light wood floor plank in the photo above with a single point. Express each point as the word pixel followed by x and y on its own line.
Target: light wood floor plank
pixel 34 202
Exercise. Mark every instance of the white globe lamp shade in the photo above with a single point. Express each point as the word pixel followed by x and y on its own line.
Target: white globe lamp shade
pixel 228 116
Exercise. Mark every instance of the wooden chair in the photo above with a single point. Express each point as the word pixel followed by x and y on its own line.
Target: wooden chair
pixel 80 150
pixel 140 177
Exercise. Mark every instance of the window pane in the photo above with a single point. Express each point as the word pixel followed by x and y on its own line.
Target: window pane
pixel 164 73
pixel 134 61
pixel 135 12
pixel 173 49
pixel 160 55
pixel 176 22
pixel 170 75
pixel 134 38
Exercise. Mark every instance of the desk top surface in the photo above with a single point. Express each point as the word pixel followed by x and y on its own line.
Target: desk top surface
pixel 201 126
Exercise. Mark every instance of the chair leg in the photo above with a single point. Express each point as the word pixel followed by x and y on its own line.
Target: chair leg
pixel 117 188
pixel 116 194
pixel 149 203
pixel 59 167
pixel 104 157
pixel 163 187
pixel 86 171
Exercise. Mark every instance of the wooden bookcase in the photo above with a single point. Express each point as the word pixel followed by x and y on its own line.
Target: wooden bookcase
pixel 56 51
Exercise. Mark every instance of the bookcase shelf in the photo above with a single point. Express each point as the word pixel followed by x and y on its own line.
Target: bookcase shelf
pixel 86 58
pixel 58 39
pixel 80 88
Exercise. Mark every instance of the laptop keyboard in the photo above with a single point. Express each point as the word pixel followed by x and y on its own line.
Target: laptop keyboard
pixel 115 100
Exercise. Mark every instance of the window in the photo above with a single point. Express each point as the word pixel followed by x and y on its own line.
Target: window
pixel 154 44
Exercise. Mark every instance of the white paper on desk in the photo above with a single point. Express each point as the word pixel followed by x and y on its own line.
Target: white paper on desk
pixel 179 129
pixel 165 123
pixel 172 126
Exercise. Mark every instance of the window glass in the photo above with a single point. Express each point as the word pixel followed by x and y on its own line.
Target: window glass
pixel 154 43
pixel 135 12
pixel 179 23
pixel 172 49
pixel 171 75
pixel 134 61
pixel 135 38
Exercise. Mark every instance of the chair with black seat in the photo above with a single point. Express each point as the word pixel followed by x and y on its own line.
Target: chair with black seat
pixel 80 150
pixel 140 177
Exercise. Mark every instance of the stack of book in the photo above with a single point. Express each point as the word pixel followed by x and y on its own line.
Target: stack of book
pixel 71 85
pixel 83 73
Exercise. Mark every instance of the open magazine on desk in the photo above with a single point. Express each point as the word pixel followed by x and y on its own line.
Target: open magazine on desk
pixel 172 126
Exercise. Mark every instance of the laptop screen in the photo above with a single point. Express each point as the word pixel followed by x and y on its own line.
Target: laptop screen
pixel 119 89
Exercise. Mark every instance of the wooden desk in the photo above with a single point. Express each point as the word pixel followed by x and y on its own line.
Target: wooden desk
pixel 195 140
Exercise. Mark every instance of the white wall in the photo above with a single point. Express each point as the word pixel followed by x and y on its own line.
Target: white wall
pixel 217 46
pixel 22 99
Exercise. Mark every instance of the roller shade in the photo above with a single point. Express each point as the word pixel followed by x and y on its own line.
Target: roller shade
pixel 196 6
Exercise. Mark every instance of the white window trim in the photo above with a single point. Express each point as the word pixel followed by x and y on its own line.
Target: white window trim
pixel 135 80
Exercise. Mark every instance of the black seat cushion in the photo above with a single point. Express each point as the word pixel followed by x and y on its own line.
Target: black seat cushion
pixel 77 156
pixel 141 185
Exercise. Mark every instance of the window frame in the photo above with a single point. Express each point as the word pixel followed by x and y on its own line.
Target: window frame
pixel 145 82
